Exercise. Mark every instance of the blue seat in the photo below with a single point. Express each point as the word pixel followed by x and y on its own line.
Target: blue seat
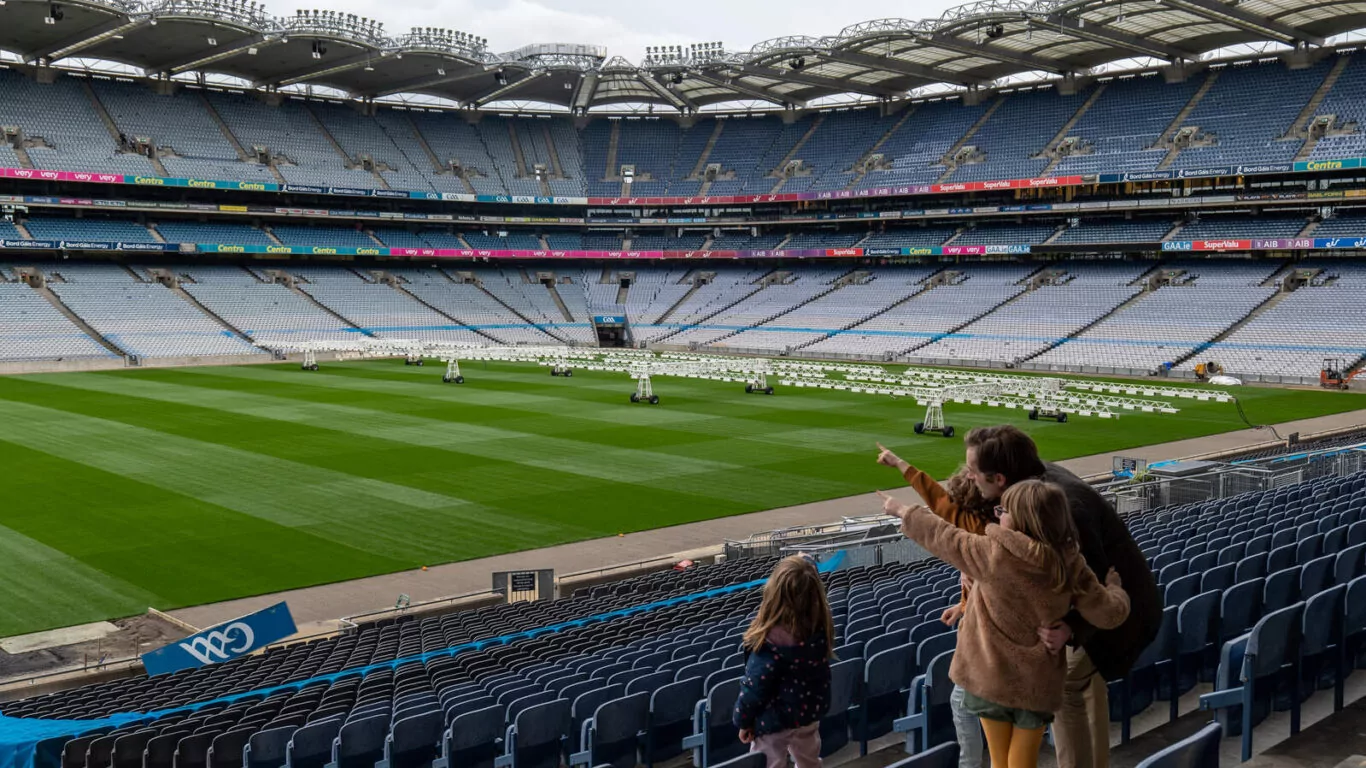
pixel 1203 562
pixel 942 756
pixel 671 711
pixel 1218 578
pixel 1349 564
pixel 360 744
pixel 473 740
pixel 929 721
pixel 1282 589
pixel 1322 661
pixel 224 752
pixel 1258 545
pixel 1316 575
pixel 1354 624
pixel 414 742
pixel 191 751
pixel 1182 589
pixel 845 679
pixel 1251 567
pixel 1137 690
pixel 311 745
pixel 885 684
pixel 266 749
pixel 698 669
pixel 1282 558
pixel 1260 660
pixel 1356 533
pixel 1172 572
pixel 535 739
pixel 649 683
pixel 714 737
pixel 611 736
pixel 883 642
pixel 1197 643
pixel 1200 750
pixel 516 706
pixel 1240 608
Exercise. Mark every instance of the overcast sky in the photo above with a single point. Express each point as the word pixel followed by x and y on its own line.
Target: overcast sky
pixel 624 26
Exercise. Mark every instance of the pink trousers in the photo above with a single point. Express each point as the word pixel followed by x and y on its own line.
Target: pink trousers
pixel 804 744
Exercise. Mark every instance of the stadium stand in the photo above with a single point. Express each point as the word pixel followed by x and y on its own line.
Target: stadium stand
pixel 143 319
pixel 1173 321
pixel 31 328
pixel 1278 572
pixel 1122 124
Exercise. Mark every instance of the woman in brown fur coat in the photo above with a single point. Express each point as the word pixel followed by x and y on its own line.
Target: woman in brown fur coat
pixel 1028 573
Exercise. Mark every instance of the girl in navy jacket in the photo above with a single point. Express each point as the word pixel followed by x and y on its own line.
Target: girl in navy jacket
pixel 786 690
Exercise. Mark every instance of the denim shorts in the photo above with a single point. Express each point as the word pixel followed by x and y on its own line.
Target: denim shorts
pixel 1020 718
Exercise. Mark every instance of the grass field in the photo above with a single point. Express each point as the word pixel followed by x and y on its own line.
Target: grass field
pixel 176 487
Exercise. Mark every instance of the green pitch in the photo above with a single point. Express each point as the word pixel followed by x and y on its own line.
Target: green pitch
pixel 176 487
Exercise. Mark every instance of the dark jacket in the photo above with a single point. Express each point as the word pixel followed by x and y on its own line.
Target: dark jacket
pixel 1106 543
pixel 786 685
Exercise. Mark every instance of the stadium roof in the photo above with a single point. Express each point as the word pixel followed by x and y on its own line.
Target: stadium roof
pixel 971 45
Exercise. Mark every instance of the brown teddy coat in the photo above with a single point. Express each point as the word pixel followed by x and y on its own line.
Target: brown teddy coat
pixel 1000 657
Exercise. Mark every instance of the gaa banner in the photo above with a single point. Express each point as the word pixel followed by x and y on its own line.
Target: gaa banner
pixel 224 642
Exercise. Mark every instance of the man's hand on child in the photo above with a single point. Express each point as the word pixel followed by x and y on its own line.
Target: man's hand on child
pixel 1112 579
pixel 952 614
pixel 746 735
pixel 1055 636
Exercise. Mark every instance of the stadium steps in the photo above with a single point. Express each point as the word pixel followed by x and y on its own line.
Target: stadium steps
pixel 156 233
pixel 22 230
pixel 612 171
pixel 224 129
pixel 706 151
pixel 374 239
pixel 623 291
pixel 1129 302
pixel 1309 228
pixel 861 165
pixel 268 232
pixel 1300 128
pixel 815 126
pixel 517 157
pixel 538 326
pixel 1025 280
pixel 157 165
pixel 925 285
pixel 1165 140
pixel 759 326
pixel 1057 233
pixel 966 137
pixel 554 153
pixel 294 286
pixel 438 311
pixel 76 319
pixel 706 319
pixel 1051 149
pixel 681 300
pixel 133 273
pixel 559 301
pixel 1174 231
pixel 109 124
pixel 192 301
pixel 332 140
pixel 21 153
pixel 421 140
pixel 1276 298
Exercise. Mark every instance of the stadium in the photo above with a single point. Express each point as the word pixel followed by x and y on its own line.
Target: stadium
pixel 386 399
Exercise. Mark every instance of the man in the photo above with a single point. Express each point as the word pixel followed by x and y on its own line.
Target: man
pixel 998 457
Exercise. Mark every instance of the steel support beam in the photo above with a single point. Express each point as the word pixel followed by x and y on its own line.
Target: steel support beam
pixel 1124 41
pixel 1237 16
pixel 797 76
pixel 928 74
pixel 763 94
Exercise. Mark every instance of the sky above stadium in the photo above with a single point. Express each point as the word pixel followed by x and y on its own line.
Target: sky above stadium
pixel 626 27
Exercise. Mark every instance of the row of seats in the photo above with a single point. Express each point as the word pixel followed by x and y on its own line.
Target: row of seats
pixel 1146 230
